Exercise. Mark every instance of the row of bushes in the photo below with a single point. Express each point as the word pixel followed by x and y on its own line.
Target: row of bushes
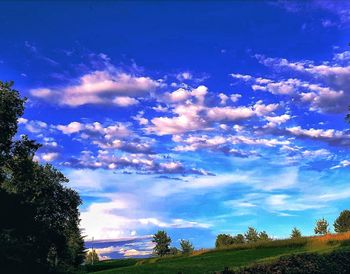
pixel 335 262
pixel 341 225
pixel 251 236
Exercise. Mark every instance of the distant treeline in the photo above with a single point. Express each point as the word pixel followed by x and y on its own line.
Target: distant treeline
pixel 341 224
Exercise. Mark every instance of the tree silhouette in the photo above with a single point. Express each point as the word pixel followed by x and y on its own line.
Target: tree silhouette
pixel 162 241
pixel 39 231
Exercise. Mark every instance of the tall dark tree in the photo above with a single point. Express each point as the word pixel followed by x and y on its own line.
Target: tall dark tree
pixel 39 231
pixel 162 241
pixel 342 223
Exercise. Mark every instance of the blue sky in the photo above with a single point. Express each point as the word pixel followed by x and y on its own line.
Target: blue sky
pixel 195 118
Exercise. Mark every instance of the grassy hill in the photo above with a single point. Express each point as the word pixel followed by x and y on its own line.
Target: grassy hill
pixel 210 261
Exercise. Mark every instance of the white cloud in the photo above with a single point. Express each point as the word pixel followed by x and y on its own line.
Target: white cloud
pixel 160 108
pixel 315 133
pixel 223 98
pixel 184 76
pixel 188 119
pixel 22 120
pixel 125 101
pixel 175 223
pixel 35 126
pixel 42 93
pixel 344 163
pixel 329 95
pixel 241 76
pixel 316 153
pixel 274 121
pixel 115 129
pixel 49 157
pixel 134 252
pixel 46 157
pixel 235 97
pixel 100 87
pixel 178 95
pixel 229 113
pixel 72 127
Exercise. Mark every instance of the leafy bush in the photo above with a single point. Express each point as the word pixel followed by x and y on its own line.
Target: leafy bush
pixel 223 240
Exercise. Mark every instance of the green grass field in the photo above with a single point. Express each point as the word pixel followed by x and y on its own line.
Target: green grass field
pixel 215 260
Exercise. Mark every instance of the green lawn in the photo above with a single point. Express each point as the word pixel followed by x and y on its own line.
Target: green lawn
pixel 216 260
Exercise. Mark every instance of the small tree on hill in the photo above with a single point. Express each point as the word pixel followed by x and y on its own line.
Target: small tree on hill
pixel 91 257
pixel 263 236
pixel 186 247
pixel 162 241
pixel 295 233
pixel 223 240
pixel 342 223
pixel 251 235
pixel 321 227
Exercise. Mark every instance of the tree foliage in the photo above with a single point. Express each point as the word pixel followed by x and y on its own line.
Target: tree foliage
pixel 162 241
pixel 321 227
pixel 40 232
pixel 295 233
pixel 342 223
pixel 238 239
pixel 251 235
pixel 263 236
pixel 223 240
pixel 186 247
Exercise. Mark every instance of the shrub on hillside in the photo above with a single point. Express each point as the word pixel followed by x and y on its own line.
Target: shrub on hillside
pixel 186 247
pixel 223 240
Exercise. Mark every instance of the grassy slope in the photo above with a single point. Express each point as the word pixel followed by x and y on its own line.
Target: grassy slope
pixel 216 260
